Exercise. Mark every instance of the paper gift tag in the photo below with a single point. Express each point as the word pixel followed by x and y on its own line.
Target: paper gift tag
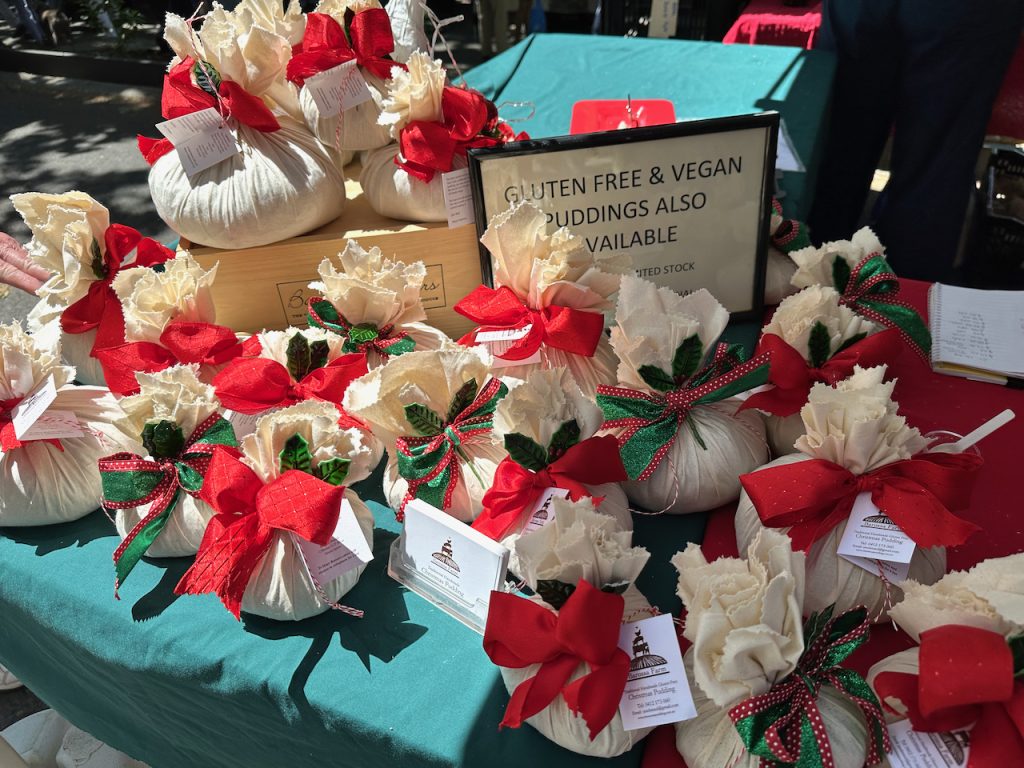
pixel 913 749
pixel 883 569
pixel 458 197
pixel 338 89
pixel 201 139
pixel 499 342
pixel 872 535
pixel 243 423
pixel 54 425
pixel 348 549
pixel 541 513
pixel 32 420
pixel 657 691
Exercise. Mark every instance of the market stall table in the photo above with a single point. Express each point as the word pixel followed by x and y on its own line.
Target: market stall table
pixel 551 72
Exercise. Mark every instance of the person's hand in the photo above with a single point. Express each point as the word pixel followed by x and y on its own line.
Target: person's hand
pixel 17 269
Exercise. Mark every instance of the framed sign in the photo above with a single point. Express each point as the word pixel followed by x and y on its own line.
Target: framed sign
pixel 688 202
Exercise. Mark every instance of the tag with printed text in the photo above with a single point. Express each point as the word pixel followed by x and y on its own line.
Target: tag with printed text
pixel 914 749
pixel 338 89
pixel 202 139
pixel 243 423
pixel 348 549
pixel 541 513
pixel 458 197
pixel 657 691
pixel 870 534
pixel 32 407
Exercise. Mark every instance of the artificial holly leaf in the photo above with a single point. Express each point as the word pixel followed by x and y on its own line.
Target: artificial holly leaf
pixel 98 267
pixel 363 333
pixel 565 437
pixel 295 455
pixel 463 399
pixel 696 434
pixel 851 341
pixel 319 351
pixel 615 587
pixel 298 356
pixel 555 592
pixel 163 439
pixel 207 77
pixel 526 452
pixel 333 471
pixel 423 420
pixel 326 312
pixel 687 358
pixel 819 344
pixel 840 273
pixel 656 378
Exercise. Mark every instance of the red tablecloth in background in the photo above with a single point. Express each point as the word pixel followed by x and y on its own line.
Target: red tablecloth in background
pixel 930 401
pixel 769 22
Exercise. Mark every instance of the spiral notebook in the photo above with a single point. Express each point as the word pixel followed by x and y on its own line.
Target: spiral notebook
pixel 977 334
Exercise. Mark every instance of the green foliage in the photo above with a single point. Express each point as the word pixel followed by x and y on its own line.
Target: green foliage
pixel 207 77
pixel 687 358
pixel 462 400
pixel 423 420
pixel 305 357
pixel 565 437
pixel 526 452
pixel 656 378
pixel 333 471
pixel 163 439
pixel 851 341
pixel 98 267
pixel 840 273
pixel 819 344
pixel 363 333
pixel 555 592
pixel 295 455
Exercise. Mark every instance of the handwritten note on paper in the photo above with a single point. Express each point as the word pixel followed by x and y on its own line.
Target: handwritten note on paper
pixel 978 328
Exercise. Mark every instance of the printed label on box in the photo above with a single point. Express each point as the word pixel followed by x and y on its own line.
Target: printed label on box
pixel 432 293
pixel 541 513
pixel 348 549
pixel 458 197
pixel 338 89
pixel 657 691
pixel 913 749
pixel 295 296
pixel 872 535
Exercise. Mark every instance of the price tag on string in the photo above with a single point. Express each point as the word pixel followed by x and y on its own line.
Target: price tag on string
pixel 202 139
pixel 32 419
pixel 347 550
pixel 458 197
pixel 657 691
pixel 872 536
pixel 338 89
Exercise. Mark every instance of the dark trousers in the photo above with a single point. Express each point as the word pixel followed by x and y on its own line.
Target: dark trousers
pixel 929 71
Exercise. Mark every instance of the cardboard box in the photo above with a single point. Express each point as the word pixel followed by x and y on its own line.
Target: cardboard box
pixel 267 286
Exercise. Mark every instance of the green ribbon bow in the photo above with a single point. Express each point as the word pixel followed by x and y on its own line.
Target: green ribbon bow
pixel 361 337
pixel 652 419
pixel 871 290
pixel 791 235
pixel 129 481
pixel 429 462
pixel 784 726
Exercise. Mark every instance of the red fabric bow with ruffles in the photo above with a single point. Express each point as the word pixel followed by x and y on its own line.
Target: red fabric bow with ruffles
pixel 8 437
pixel 571 330
pixel 249 513
pixel 520 633
pixel 966 676
pixel 181 96
pixel 100 308
pixel 793 376
pixel 324 45
pixel 516 489
pixel 917 494
pixel 180 342
pixel 427 147
pixel 256 384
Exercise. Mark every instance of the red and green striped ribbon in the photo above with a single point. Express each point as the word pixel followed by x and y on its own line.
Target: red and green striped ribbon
pixel 784 727
pixel 430 464
pixel 362 337
pixel 652 419
pixel 129 480
pixel 791 235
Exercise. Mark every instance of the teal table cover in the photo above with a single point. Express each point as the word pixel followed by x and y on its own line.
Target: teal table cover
pixel 701 79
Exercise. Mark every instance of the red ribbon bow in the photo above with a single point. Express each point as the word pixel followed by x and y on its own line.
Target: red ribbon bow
pixel 793 376
pixel 516 489
pixel 324 45
pixel 917 494
pixel 181 342
pixel 572 330
pixel 181 96
pixel 427 147
pixel 249 513
pixel 256 384
pixel 8 437
pixel 100 307
pixel 520 633
pixel 966 676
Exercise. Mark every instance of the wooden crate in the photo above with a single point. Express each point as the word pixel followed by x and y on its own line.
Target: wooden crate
pixel 267 287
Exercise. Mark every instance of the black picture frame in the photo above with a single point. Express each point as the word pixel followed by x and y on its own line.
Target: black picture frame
pixel 767 121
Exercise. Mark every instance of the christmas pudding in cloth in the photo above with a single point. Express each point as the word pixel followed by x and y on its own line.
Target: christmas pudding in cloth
pixel 324 46
pixel 168 319
pixel 812 337
pixel 155 494
pixel 289 484
pixel 768 689
pixel 282 368
pixel 46 481
pixel 964 675
pixel 787 236
pixel 434 410
pixel 682 440
pixel 856 442
pixel 281 183
pixel 581 567
pixel 551 290
pixel 375 303
pixel 73 239
pixel 547 426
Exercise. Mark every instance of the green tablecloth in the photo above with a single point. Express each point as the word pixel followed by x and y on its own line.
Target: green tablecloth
pixel 701 79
